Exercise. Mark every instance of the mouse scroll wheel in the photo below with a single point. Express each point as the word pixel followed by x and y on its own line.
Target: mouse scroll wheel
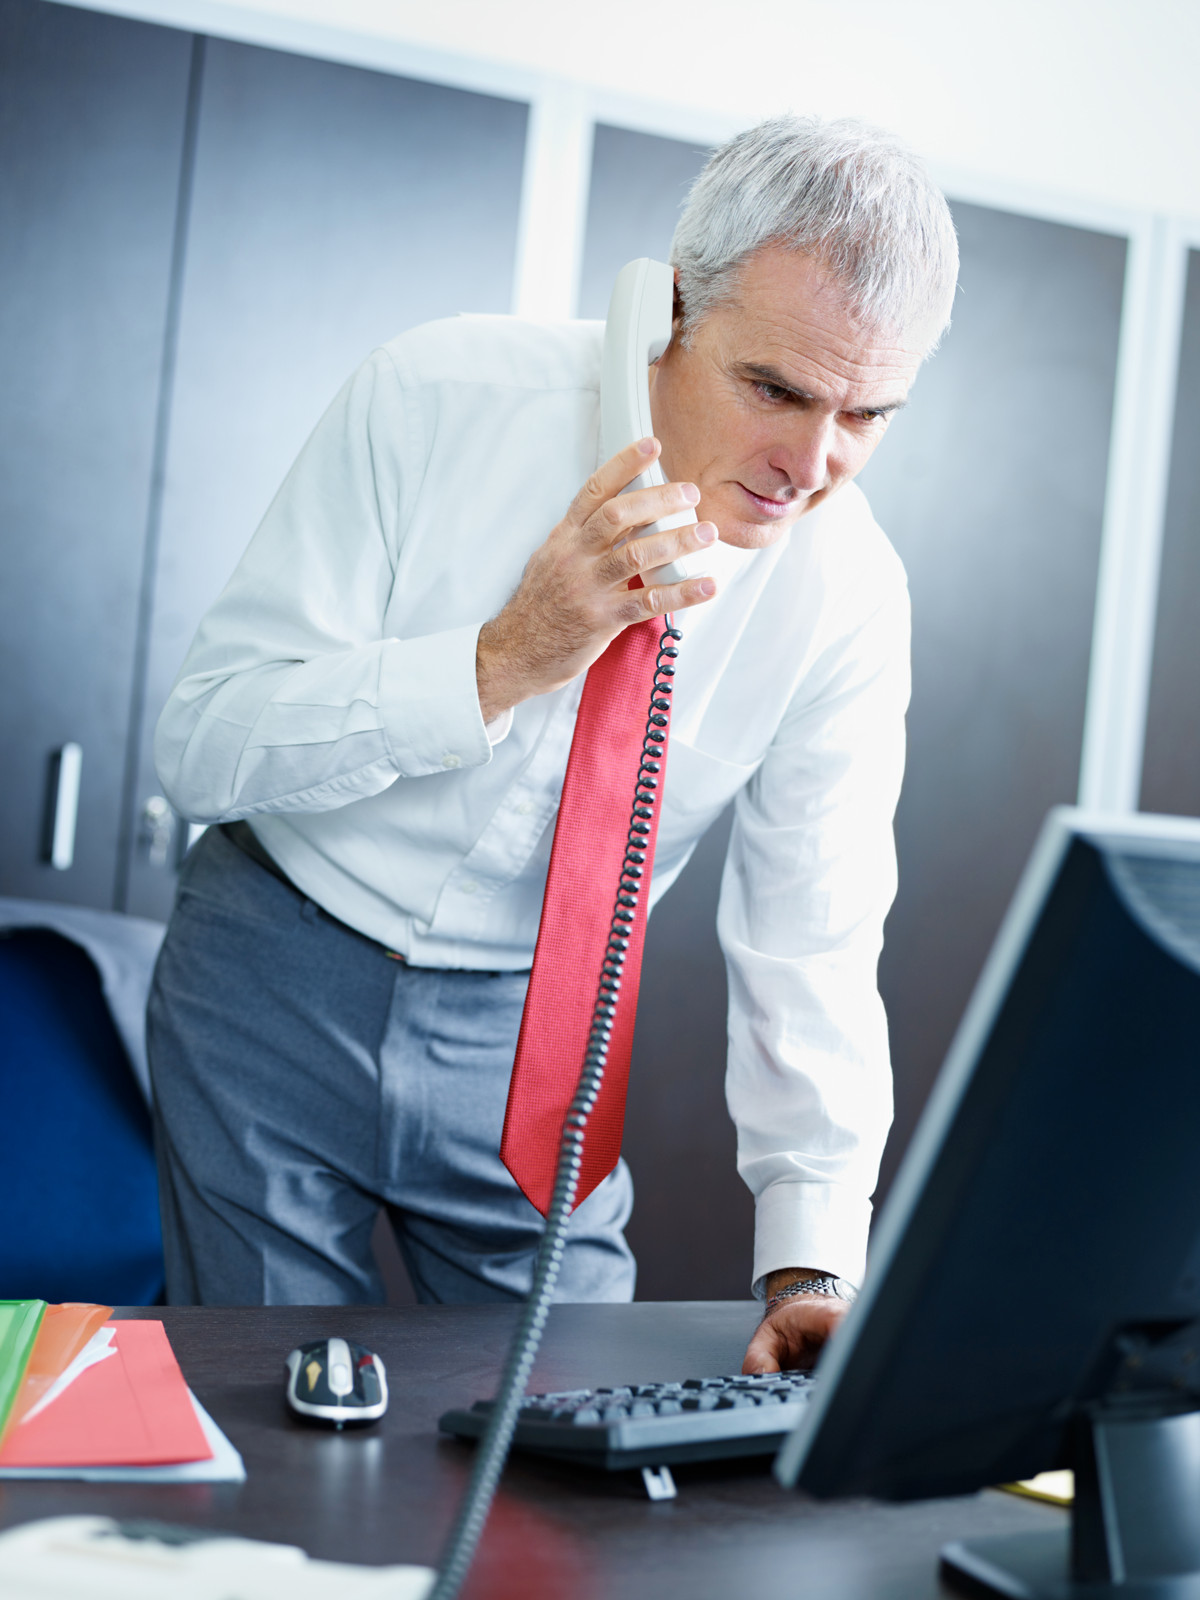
pixel 340 1373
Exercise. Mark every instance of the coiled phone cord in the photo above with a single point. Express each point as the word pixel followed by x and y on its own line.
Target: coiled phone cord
pixel 493 1447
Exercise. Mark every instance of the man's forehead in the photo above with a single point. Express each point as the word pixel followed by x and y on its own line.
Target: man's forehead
pixel 789 319
pixel 812 363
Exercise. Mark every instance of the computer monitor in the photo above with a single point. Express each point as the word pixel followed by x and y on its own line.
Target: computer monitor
pixel 1033 1294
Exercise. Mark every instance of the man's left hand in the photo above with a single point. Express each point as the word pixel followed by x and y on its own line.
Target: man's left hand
pixel 794 1334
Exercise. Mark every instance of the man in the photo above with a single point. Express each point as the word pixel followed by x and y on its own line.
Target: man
pixel 379 709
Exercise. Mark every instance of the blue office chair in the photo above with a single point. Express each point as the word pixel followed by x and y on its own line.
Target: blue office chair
pixel 78 1188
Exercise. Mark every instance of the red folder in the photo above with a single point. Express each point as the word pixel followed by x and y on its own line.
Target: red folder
pixel 132 1409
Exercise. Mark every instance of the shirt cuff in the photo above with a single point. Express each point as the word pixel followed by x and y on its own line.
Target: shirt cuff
pixel 429 703
pixel 822 1226
pixel 499 728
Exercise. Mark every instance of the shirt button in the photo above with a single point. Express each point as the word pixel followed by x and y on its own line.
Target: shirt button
pixel 469 886
pixel 525 808
pixel 452 761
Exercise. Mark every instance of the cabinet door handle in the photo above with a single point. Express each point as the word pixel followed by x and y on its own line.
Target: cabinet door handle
pixel 68 767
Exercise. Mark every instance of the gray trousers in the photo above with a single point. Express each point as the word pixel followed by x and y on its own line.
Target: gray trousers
pixel 302 1078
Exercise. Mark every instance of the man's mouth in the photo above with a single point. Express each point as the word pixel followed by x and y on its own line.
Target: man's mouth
pixel 768 508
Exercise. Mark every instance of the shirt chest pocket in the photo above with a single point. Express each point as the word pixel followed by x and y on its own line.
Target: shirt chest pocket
pixel 699 787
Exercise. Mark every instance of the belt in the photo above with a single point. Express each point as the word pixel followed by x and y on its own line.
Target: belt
pixel 247 841
pixel 244 836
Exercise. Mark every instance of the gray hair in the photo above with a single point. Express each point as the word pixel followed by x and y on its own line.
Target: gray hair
pixel 853 197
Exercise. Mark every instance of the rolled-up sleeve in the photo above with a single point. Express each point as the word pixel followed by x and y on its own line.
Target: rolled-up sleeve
pixel 809 878
pixel 290 697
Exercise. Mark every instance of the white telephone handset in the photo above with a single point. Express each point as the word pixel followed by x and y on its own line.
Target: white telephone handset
pixel 637 332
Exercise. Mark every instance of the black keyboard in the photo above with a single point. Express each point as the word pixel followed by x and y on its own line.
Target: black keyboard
pixel 653 1424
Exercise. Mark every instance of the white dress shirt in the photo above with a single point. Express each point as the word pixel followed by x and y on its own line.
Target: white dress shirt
pixel 330 697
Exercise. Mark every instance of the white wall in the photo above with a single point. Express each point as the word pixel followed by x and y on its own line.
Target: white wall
pixel 1096 98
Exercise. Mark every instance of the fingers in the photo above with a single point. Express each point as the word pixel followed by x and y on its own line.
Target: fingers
pixel 606 516
pixel 764 1350
pixel 618 520
pixel 612 476
pixel 793 1335
pixel 574 595
pixel 635 605
pixel 652 550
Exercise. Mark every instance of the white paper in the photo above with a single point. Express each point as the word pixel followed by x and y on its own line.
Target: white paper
pixel 226 1465
pixel 62 1558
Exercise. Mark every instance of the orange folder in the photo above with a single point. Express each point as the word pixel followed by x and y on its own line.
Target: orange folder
pixel 132 1409
pixel 62 1335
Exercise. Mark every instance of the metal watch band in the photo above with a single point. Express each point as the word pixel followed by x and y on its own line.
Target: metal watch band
pixel 832 1288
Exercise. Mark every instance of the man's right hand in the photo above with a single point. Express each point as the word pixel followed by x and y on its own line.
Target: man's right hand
pixel 574 595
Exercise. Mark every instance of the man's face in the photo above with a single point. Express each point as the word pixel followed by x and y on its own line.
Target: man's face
pixel 779 400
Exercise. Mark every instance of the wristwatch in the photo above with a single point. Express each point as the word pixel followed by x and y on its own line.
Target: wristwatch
pixel 832 1288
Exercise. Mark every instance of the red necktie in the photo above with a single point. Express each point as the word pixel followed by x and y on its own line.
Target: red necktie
pixel 590 838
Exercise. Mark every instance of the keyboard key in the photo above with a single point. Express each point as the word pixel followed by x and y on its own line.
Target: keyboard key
pixel 733 1401
pixel 705 1401
pixel 669 1408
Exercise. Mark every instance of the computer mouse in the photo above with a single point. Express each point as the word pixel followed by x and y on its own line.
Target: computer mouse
pixel 332 1380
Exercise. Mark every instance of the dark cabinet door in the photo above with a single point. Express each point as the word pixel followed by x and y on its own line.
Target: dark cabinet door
pixel 331 208
pixel 1171 776
pixel 92 112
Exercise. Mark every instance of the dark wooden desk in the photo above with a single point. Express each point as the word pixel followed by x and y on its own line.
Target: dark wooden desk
pixel 557 1532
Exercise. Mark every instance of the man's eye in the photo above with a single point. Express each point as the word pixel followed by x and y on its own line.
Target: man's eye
pixel 771 391
pixel 870 416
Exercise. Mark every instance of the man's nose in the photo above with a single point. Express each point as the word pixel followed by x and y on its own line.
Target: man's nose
pixel 804 454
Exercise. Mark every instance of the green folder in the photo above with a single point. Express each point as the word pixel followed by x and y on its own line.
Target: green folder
pixel 19 1324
